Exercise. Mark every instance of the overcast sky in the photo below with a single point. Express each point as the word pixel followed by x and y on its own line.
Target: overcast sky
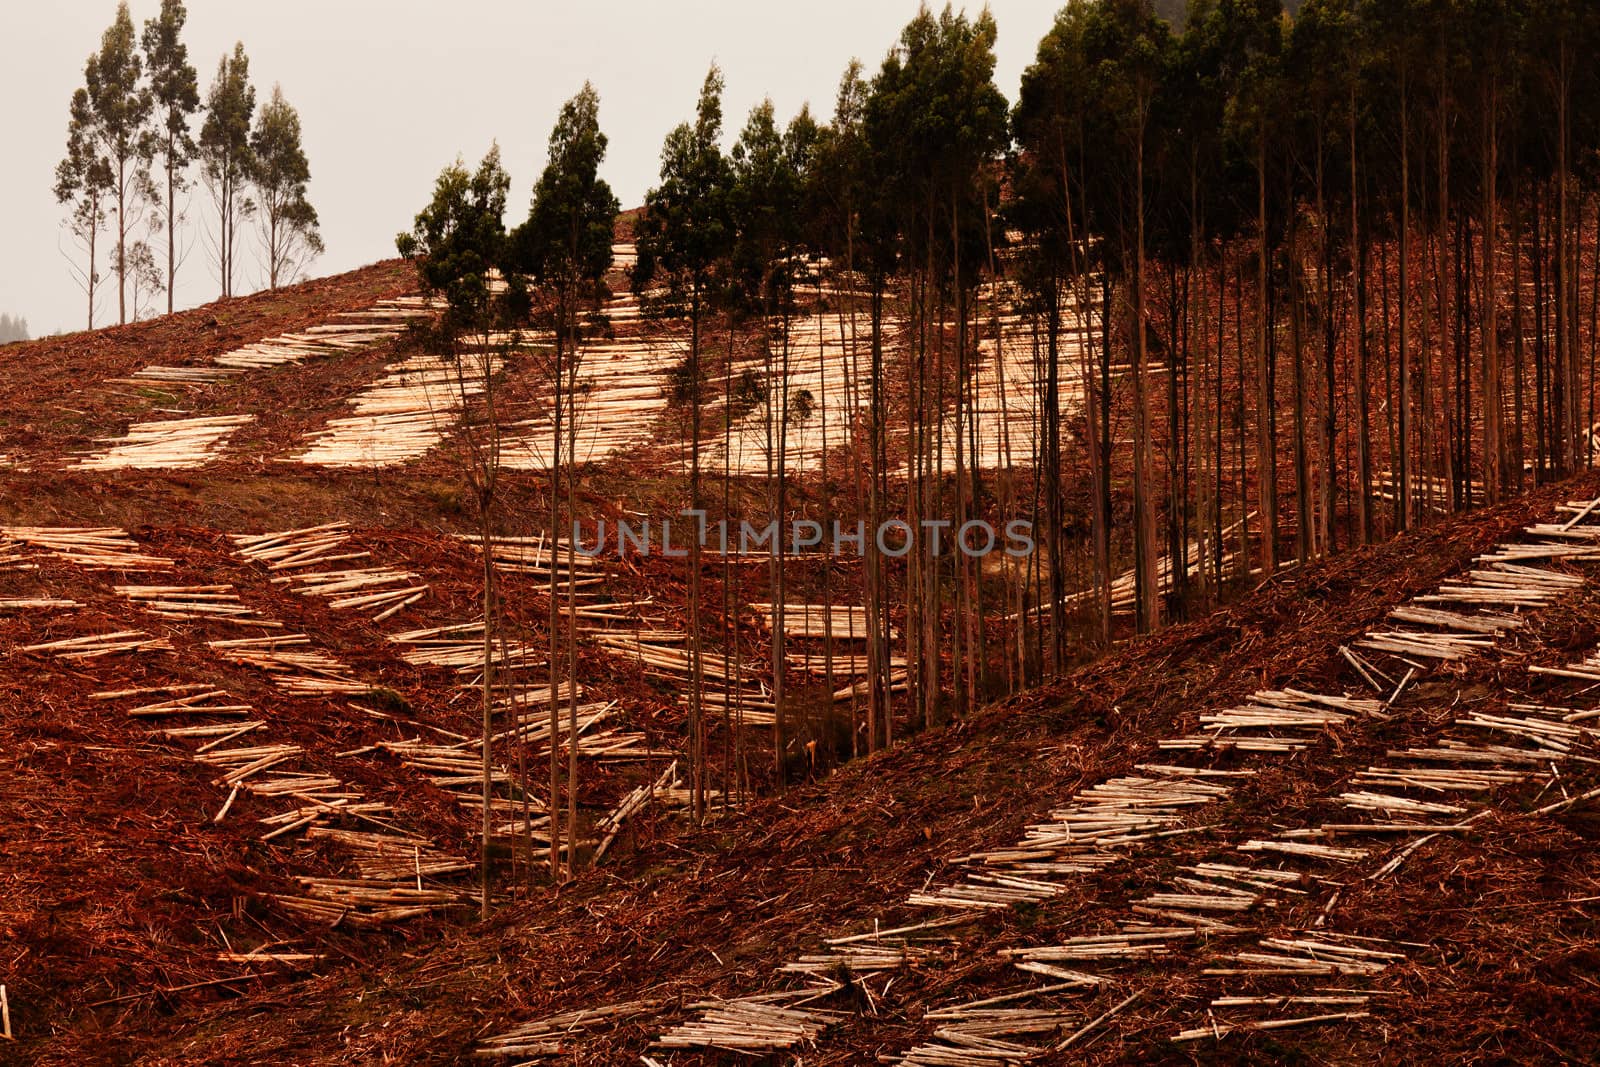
pixel 389 91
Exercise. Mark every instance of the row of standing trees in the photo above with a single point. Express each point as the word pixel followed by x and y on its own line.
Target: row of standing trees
pixel 494 281
pixel 131 146
pixel 1355 216
pixel 1289 284
pixel 889 203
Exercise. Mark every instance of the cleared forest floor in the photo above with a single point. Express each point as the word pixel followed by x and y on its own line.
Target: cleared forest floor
pixel 139 891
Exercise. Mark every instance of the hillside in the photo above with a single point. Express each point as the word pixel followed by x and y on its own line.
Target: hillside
pixel 164 902
pixel 1074 545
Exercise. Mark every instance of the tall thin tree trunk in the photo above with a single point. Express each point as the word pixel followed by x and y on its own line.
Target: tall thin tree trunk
pixel 1493 449
pixel 1304 544
pixel 1566 282
pixel 1144 521
pixel 122 242
pixel 1266 449
pixel 572 596
pixel 94 263
pixel 1404 388
pixel 1519 457
pixel 1358 331
pixel 554 593
pixel 172 227
pixel 1326 477
pixel 486 543
pixel 697 797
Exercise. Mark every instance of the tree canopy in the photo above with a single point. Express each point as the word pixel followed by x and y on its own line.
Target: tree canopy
pixel 279 173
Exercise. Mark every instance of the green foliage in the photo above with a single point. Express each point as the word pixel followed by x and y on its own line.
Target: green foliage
pixel 934 105
pixel 175 96
pixel 836 174
pixel 225 136
pixel 1097 108
pixel 279 171
pixel 174 84
pixel 766 200
pixel 802 405
pixel 566 240
pixel 1052 126
pixel 750 389
pixel 118 99
pixel 145 279
pixel 109 147
pixel 84 176
pixel 935 120
pixel 279 160
pixel 458 242
pixel 226 160
pixel 687 228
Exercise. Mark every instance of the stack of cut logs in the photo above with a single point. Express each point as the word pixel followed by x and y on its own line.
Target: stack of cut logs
pixel 382 322
pixel 460 647
pixel 93 548
pixel 390 865
pixel 731 688
pixel 622 387
pixel 93 646
pixel 402 415
pixel 387 591
pixel 553 1036
pixel 165 444
pixel 196 603
pixel 293 666
pixel 1274 721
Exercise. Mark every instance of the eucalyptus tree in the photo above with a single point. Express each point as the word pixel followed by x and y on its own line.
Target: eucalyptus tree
pixel 937 119
pixel 145 279
pixel 1489 26
pixel 1054 126
pixel 1130 50
pixel 566 247
pixel 1342 56
pixel 1442 73
pixel 1251 32
pixel 684 238
pixel 459 245
pixel 1392 23
pixel 1532 166
pixel 1205 216
pixel 1553 46
pixel 1315 54
pixel 1557 33
pixel 1188 115
pixel 225 155
pixel 851 226
pixel 83 183
pixel 279 173
pixel 765 200
pixel 175 89
pixel 120 106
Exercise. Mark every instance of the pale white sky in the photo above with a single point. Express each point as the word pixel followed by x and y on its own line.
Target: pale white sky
pixel 389 91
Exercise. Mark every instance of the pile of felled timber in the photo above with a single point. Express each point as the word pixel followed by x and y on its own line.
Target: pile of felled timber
pixel 622 388
pixel 402 415
pixel 344 332
pixel 293 666
pixel 733 689
pixel 196 603
pixel 168 444
pixel 93 548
